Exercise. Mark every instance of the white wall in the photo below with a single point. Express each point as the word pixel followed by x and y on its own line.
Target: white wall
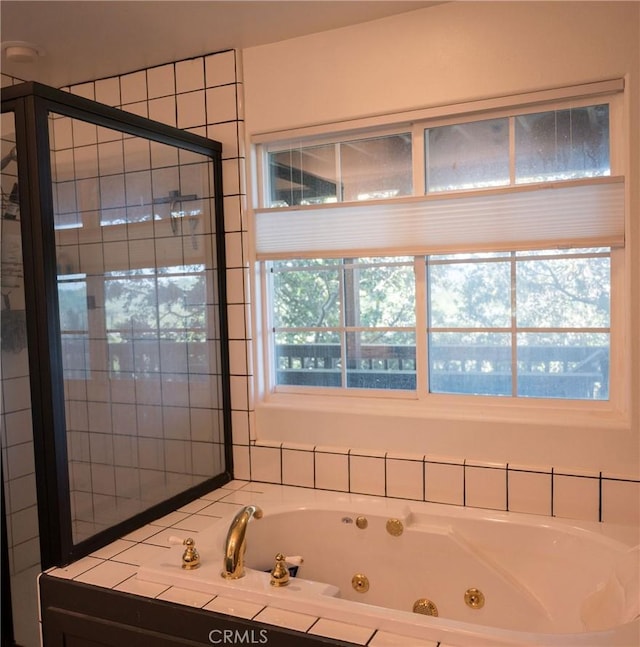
pixel 442 55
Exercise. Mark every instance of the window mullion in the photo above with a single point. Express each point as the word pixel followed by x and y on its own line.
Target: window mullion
pixel 514 334
pixel 422 347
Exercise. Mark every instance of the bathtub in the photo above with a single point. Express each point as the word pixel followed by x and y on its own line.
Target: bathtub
pixel 493 578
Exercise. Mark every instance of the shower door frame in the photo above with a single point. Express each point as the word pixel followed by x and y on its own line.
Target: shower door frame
pixel 31 104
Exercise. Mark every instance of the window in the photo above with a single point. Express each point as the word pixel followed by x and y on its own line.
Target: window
pixel 343 171
pixel 484 286
pixel 535 147
pixel 345 322
pixel 527 324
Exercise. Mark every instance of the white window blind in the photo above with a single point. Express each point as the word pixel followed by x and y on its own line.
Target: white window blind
pixel 564 214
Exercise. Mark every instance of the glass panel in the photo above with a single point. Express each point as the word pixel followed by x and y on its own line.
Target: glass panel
pixel 563 292
pixel 563 365
pixel 467 156
pixel 382 296
pixel 472 363
pixel 16 425
pixel 381 360
pixel 373 169
pixel 562 144
pixel 307 297
pixel 470 295
pixel 365 169
pixel 303 176
pixel 74 325
pixel 308 358
pixel 138 308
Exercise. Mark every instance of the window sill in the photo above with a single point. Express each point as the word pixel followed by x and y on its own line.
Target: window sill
pixel 444 407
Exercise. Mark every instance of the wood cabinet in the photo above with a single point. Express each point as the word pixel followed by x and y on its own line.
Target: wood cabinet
pixel 81 615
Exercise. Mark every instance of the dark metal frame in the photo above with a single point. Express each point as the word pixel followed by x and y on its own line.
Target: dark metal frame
pixel 31 103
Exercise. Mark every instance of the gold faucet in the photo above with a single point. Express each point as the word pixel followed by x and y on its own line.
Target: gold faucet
pixel 236 543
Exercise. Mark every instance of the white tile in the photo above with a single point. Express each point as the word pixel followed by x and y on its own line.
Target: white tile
pixel 183 596
pixel 112 549
pixel 108 91
pixel 235 289
pixel 220 68
pixel 485 487
pixel 194 506
pixel 163 110
pixel 20 460
pixel 220 509
pixel 529 492
pixel 444 483
pixel 332 471
pixel 140 587
pixel 237 357
pixel 265 464
pixel 621 502
pixel 137 155
pixel 222 104
pixel 297 467
pixel 239 391
pixel 161 81
pixel 170 519
pixel 231 183
pixel 194 523
pixel 86 90
pixel 387 639
pixel 84 133
pixel 341 631
pixel 233 213
pixel 576 497
pixel 133 87
pixel 231 607
pixel 108 574
pixel 405 479
pixel 241 461
pixel 233 242
pixel 140 553
pixel 191 110
pixel 190 75
pixel 111 157
pixel 236 317
pixel 62 133
pixel 366 474
pixel 143 533
pixel 288 619
pixel 227 134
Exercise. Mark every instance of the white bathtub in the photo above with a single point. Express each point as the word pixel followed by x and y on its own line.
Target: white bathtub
pixel 545 582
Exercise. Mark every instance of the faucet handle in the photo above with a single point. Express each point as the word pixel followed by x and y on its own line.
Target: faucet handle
pixel 190 557
pixel 280 572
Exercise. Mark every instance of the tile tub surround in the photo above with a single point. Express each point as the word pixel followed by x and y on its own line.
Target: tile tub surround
pixel 517 488
pixel 115 567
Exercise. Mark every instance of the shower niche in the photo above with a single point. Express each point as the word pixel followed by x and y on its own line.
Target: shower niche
pixel 113 229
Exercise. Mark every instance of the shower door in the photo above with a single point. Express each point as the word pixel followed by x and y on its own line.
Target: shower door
pixel 125 270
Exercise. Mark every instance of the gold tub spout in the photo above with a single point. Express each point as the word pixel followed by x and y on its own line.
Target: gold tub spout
pixel 236 542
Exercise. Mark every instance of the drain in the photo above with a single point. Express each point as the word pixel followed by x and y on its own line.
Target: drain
pixel 425 607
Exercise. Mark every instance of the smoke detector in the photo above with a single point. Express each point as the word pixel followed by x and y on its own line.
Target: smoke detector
pixel 20 51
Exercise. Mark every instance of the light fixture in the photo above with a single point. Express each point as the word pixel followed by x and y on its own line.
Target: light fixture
pixel 20 51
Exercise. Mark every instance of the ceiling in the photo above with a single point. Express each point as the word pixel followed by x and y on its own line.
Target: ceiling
pixel 83 40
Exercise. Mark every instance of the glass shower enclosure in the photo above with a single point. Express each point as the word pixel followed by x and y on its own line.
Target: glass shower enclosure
pixel 120 256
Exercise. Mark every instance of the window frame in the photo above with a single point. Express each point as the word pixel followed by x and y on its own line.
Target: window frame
pixel 422 402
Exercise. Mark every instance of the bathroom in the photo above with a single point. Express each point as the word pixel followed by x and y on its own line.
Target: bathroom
pixel 573 462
